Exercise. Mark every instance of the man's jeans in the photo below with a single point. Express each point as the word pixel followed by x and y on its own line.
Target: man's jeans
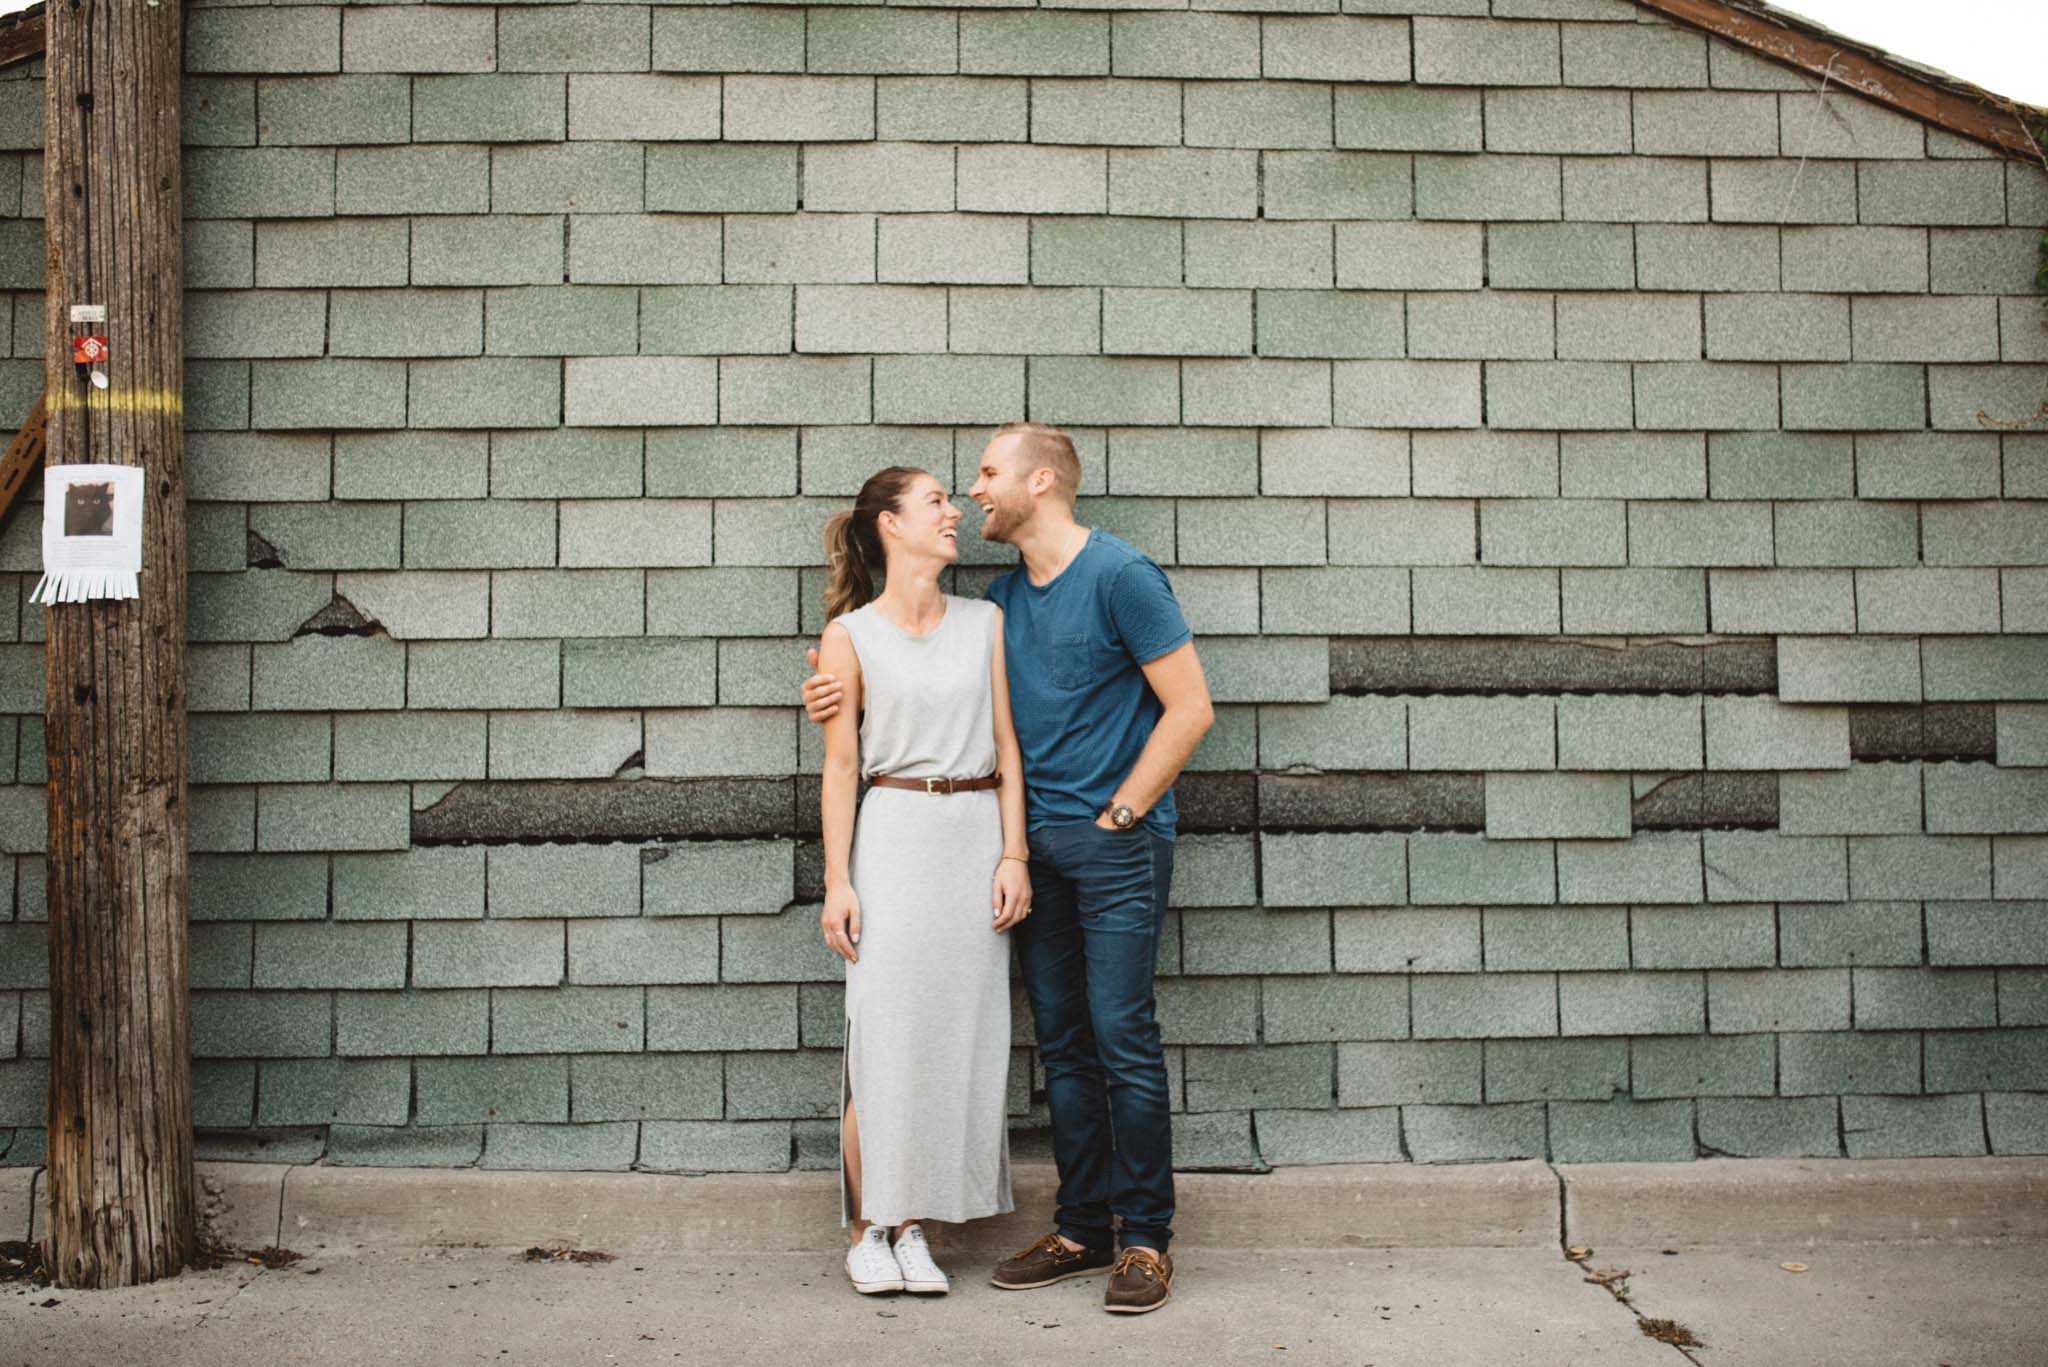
pixel 1088 949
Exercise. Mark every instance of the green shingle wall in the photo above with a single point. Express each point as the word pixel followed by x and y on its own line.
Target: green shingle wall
pixel 529 348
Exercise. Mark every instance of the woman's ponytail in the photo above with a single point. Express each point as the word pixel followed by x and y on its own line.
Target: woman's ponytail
pixel 853 541
pixel 850 582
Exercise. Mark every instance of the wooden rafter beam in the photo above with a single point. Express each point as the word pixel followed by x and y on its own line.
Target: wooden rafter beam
pixel 24 453
pixel 21 40
pixel 1855 70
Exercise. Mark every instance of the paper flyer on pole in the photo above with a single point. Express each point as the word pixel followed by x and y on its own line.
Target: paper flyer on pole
pixel 92 533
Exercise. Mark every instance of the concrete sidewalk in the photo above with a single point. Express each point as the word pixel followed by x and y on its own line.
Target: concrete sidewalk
pixel 1968 1306
pixel 1907 1262
pixel 1527 1203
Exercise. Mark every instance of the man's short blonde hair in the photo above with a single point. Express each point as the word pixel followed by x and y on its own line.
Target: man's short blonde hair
pixel 1045 447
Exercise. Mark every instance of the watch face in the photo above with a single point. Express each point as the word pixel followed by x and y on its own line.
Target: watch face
pixel 1124 818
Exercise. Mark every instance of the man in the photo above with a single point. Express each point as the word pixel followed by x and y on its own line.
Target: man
pixel 1110 701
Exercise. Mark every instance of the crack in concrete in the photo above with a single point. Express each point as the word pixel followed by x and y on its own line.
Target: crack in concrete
pixel 1585 1265
pixel 200 1323
pixel 277 1240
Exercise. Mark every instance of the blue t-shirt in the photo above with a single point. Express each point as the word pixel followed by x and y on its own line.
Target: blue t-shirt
pixel 1077 693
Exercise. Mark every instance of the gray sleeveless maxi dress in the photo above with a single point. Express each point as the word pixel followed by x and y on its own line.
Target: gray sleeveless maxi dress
pixel 927 1051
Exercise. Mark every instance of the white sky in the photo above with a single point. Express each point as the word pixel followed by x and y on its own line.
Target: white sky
pixel 2001 45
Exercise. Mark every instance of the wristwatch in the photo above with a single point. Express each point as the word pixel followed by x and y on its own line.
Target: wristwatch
pixel 1120 816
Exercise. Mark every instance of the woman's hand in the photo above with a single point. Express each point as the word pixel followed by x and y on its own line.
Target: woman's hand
pixel 1012 894
pixel 841 920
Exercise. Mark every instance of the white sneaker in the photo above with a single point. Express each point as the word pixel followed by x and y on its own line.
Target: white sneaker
pixel 921 1276
pixel 871 1266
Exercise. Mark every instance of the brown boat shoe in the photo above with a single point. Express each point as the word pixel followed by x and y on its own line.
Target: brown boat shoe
pixel 1141 1281
pixel 1049 1261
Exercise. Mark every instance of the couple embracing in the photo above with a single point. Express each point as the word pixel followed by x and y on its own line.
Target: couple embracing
pixel 1020 755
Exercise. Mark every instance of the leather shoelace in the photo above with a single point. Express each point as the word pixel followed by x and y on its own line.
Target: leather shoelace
pixel 1051 1245
pixel 1139 1260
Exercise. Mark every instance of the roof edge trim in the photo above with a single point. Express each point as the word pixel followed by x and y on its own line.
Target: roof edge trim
pixel 23 39
pixel 1988 119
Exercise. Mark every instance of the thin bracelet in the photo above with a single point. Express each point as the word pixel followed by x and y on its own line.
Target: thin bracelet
pixel 1018 857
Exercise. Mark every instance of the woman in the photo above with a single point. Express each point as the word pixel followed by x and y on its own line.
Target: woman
pixel 919 890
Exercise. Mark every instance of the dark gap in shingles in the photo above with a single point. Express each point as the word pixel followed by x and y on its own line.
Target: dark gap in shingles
pixel 262 555
pixel 1709 800
pixel 1521 664
pixel 606 811
pixel 656 810
pixel 1922 731
pixel 1362 801
pixel 1211 801
pixel 339 618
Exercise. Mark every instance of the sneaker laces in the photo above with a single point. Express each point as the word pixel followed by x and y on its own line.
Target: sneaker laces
pixel 872 1250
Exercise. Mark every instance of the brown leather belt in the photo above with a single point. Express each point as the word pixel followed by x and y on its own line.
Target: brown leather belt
pixel 938 785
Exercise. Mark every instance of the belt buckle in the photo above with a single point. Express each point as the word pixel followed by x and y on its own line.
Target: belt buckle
pixel 931 786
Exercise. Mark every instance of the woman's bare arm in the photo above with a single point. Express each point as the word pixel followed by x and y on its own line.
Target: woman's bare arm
pixel 1013 881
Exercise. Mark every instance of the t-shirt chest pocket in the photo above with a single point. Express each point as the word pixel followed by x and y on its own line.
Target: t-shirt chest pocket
pixel 1075 660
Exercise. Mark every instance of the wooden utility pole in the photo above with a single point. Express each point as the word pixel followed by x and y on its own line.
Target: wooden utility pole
pixel 120 1140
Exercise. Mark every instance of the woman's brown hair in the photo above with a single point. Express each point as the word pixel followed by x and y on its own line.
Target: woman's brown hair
pixel 853 540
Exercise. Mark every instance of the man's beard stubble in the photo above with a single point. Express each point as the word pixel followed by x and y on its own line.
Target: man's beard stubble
pixel 1001 522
